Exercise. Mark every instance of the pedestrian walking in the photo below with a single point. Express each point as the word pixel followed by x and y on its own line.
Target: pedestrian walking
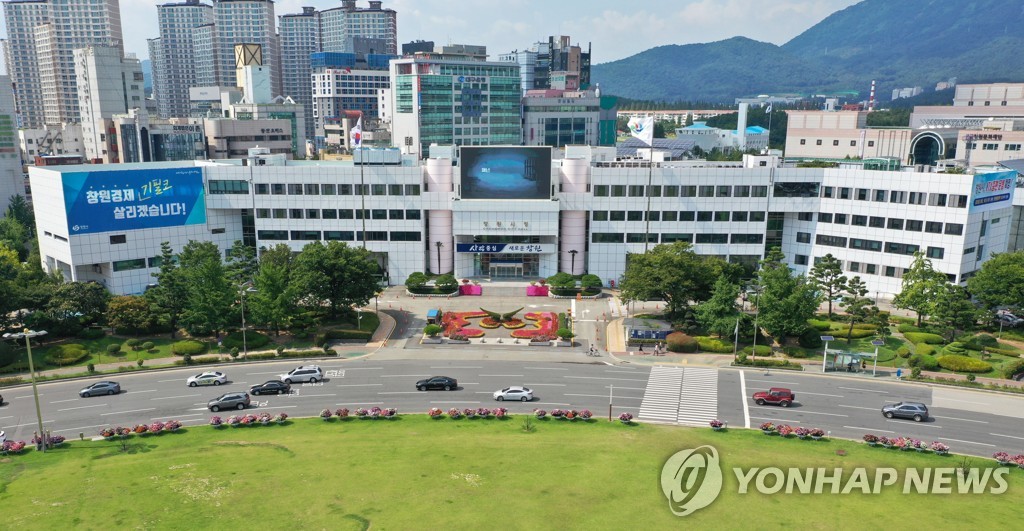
pixel 641 347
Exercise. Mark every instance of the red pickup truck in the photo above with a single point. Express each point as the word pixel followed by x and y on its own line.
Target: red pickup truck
pixel 776 395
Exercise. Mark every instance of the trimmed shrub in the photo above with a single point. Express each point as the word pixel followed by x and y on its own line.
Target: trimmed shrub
pixel 253 340
pixel 810 338
pixel 681 342
pixel 907 328
pixel 956 348
pixel 796 352
pixel 114 349
pixel 133 343
pixel 91 333
pixel 710 344
pixel 188 346
pixel 858 333
pixel 234 352
pixel 187 358
pixel 564 333
pixel 432 330
pixel 924 337
pixel 927 363
pixel 819 325
pixel 885 355
pixel 262 355
pixel 90 367
pixel 903 352
pixel 964 364
pixel 982 341
pixel 759 350
pixel 971 377
pixel 915 372
pixel 7 354
pixel 148 345
pixel 1012 369
pixel 67 354
pixel 780 364
pixel 924 349
pixel 347 334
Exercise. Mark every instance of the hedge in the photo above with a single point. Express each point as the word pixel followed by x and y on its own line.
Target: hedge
pixel 188 346
pixel 907 328
pixel 198 361
pixel 924 349
pixel 1012 369
pixel 67 354
pixel 924 337
pixel 92 333
pixel 956 348
pixel 758 350
pixel 810 338
pixel 253 340
pixel 885 355
pixel 336 333
pixel 903 352
pixel 926 363
pixel 262 355
pixel 681 342
pixel 710 344
pixel 775 364
pixel 981 341
pixel 964 364
pixel 819 325
pixel 857 333
pixel 7 354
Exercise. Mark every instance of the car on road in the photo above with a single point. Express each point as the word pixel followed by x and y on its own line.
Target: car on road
pixel 1008 319
pixel 906 410
pixel 515 392
pixel 101 388
pixel 270 387
pixel 437 382
pixel 229 401
pixel 207 378
pixel 303 373
pixel 778 396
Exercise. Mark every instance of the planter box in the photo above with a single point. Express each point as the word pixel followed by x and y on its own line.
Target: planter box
pixel 563 343
pixel 540 343
pixel 431 340
pixel 467 289
pixel 456 342
pixel 537 291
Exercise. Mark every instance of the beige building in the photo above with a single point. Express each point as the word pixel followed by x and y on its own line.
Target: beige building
pixel 232 139
pixel 842 134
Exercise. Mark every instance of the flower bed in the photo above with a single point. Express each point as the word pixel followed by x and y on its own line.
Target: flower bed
pixel 909 443
pixel 545 324
pixel 626 418
pixel 12 447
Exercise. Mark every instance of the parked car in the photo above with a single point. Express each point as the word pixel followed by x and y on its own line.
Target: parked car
pixel 515 392
pixel 229 401
pixel 778 396
pixel 270 387
pixel 207 378
pixel 1008 319
pixel 906 410
pixel 101 388
pixel 303 373
pixel 437 382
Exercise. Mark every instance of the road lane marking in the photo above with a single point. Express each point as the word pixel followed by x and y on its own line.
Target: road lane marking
pixel 820 394
pixel 963 420
pixel 966 442
pixel 861 407
pixel 626 388
pixel 774 382
pixel 29 424
pixel 137 392
pixel 81 428
pixel 869 430
pixel 602 378
pixel 180 416
pixel 864 390
pixel 82 407
pixel 964 401
pixel 68 400
pixel 501 375
pixel 365 368
pixel 743 398
pixel 544 385
pixel 802 412
pixel 130 411
pixel 405 376
pixel 174 380
pixel 10 417
pixel 916 424
pixel 456 367
pixel 399 392
pixel 455 402
pixel 1008 436
pixel 546 368
pixel 359 404
pixel 551 404
pixel 27 396
pixel 776 419
pixel 602 396
pixel 360 385
pixel 274 372
pixel 310 396
pixel 621 372
pixel 172 397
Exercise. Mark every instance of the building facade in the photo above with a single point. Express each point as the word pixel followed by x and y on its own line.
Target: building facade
pixel 559 118
pixel 12 178
pixel 243 22
pixel 344 82
pixel 174 63
pixel 843 134
pixel 108 84
pixel 585 211
pixel 300 38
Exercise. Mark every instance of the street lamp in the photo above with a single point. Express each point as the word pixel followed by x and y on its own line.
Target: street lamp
pixel 28 335
pixel 877 343
pixel 244 288
pixel 439 245
pixel 572 268
pixel 824 357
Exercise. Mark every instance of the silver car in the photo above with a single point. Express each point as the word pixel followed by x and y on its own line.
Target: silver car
pixel 906 410
pixel 515 392
pixel 304 373
pixel 101 388
pixel 229 401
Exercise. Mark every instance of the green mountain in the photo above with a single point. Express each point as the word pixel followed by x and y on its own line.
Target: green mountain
pixel 898 43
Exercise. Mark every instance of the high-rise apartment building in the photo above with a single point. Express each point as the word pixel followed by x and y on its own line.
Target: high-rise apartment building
pixel 108 84
pixel 555 64
pixel 40 44
pixel 174 60
pixel 300 37
pixel 342 26
pixel 347 82
pixel 243 22
pixel 12 180
pixel 445 100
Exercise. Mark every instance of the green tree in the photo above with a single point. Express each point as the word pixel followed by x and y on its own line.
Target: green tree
pixel 129 312
pixel 208 293
pixel 19 209
pixel 827 276
pixel 921 284
pixel 675 274
pixel 170 295
pixel 241 263
pixel 954 310
pixel 274 300
pixel 82 302
pixel 335 275
pixel 859 308
pixel 1000 282
pixel 15 235
pixel 786 302
pixel 719 313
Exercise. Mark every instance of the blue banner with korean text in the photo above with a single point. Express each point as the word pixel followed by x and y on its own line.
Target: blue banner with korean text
pixel 104 201
pixel 505 248
pixel 992 191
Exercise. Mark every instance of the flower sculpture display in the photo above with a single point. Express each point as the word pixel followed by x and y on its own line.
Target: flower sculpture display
pixel 264 418
pixel 281 417
pixel 871 439
pixel 544 324
pixel 362 413
pixel 939 448
pixel 540 413
pixel 107 432
pixel 1002 458
pixel 768 428
pixel 234 421
pixel 626 418
pixel 142 429
pixel 500 413
pixel 483 412
pixel 785 430
pixel 454 413
pixel 585 414
pixel 12 447
pixel 435 413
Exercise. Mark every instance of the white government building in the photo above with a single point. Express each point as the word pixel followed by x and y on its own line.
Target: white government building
pixel 517 212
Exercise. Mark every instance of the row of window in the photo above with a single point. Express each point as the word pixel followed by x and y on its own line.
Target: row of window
pixel 636 190
pixel 340 235
pixel 895 196
pixel 878 222
pixel 337 213
pixel 871 269
pixel 321 189
pixel 870 245
pixel 670 237
pixel 672 215
pixel 853 143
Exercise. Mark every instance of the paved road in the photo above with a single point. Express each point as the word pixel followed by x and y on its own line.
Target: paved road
pixel 970 422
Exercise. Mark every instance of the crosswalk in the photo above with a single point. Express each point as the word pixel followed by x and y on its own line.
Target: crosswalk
pixel 681 395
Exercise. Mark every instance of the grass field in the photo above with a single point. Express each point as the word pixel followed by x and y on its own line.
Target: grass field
pixel 416 473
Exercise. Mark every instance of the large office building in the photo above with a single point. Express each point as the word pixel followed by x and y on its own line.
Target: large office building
pixel 250 22
pixel 342 28
pixel 445 99
pixel 513 212
pixel 555 64
pixel 559 118
pixel 300 38
pixel 347 82
pixel 108 84
pixel 173 56
pixel 12 179
pixel 41 39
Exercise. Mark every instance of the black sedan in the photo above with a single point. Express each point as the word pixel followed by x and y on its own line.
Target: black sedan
pixel 101 388
pixel 437 382
pixel 276 387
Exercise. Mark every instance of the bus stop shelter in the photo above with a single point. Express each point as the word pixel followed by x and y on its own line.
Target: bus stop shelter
pixel 839 360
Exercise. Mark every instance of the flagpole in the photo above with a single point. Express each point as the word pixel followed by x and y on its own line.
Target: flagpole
pixel 768 143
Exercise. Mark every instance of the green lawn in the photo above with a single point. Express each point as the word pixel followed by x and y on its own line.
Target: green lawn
pixel 415 473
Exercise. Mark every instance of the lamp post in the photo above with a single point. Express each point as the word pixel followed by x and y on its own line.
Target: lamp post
pixel 824 356
pixel 572 268
pixel 877 343
pixel 244 288
pixel 439 245
pixel 28 335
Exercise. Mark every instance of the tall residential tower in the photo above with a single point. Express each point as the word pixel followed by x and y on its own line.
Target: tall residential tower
pixel 174 64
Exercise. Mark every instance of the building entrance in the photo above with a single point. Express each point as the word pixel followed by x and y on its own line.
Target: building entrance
pixel 497 265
